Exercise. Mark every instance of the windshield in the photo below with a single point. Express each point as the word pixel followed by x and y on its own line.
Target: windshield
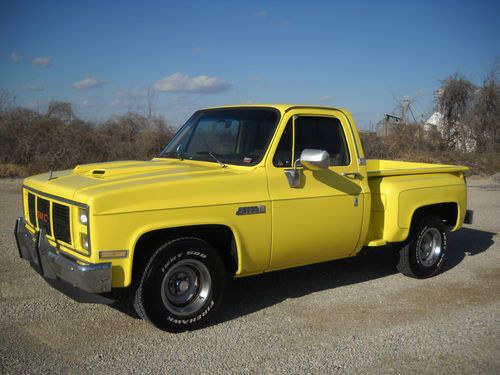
pixel 237 136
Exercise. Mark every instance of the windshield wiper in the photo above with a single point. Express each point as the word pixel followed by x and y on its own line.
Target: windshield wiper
pixel 178 153
pixel 213 157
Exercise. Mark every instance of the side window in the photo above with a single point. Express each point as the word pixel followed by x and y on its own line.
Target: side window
pixel 322 133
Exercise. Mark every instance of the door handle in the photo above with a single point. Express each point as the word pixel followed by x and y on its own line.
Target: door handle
pixel 354 175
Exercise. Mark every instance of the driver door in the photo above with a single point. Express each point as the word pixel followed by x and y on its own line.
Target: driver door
pixel 321 219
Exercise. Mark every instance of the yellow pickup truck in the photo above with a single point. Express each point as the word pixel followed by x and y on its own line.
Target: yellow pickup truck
pixel 239 190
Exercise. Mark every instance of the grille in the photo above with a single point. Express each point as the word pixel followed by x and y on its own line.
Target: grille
pixel 60 221
pixel 43 214
pixel 31 209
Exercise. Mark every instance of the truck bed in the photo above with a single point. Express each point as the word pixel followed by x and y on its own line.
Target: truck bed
pixel 379 168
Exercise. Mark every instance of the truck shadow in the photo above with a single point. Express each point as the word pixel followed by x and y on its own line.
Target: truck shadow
pixel 251 294
pixel 466 242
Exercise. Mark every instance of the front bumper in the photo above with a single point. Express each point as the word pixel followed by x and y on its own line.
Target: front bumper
pixel 52 264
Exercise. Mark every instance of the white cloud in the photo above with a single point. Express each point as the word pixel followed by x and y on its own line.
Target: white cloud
pixel 41 61
pixel 179 82
pixel 33 87
pixel 262 13
pixel 15 57
pixel 88 83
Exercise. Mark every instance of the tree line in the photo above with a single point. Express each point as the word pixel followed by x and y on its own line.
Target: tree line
pixel 468 132
pixel 33 142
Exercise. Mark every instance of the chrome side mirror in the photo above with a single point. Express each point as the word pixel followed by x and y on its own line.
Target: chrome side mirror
pixel 315 160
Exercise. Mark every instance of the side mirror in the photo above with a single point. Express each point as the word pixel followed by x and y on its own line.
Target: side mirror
pixel 315 160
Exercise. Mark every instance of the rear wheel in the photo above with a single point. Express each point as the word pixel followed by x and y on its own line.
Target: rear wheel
pixel 182 285
pixel 424 253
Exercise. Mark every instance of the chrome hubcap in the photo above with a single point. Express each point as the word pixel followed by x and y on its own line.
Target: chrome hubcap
pixel 430 247
pixel 186 287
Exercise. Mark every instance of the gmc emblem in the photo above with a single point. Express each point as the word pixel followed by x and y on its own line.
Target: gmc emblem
pixel 42 216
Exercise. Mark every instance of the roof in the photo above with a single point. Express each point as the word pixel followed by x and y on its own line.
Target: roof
pixel 281 107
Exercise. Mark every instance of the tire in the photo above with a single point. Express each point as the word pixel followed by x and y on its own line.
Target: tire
pixel 423 254
pixel 182 285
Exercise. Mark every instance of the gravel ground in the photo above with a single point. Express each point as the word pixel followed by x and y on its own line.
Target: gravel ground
pixel 355 316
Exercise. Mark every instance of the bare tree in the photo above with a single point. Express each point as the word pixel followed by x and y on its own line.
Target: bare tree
pixel 61 111
pixel 484 119
pixel 152 99
pixel 454 103
pixel 7 100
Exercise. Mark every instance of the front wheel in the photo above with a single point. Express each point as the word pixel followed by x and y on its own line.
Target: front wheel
pixel 424 253
pixel 182 285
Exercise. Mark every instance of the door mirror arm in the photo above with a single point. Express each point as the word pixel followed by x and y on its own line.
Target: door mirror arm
pixel 293 175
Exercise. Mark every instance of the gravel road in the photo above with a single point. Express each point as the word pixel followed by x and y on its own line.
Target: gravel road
pixel 355 316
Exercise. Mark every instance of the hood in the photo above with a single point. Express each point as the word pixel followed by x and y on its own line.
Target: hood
pixel 137 185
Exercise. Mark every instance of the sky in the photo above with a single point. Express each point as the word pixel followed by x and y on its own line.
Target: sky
pixel 109 57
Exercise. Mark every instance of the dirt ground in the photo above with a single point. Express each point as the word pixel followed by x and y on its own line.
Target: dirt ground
pixel 355 316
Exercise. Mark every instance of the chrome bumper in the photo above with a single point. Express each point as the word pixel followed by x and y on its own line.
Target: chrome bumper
pixel 52 264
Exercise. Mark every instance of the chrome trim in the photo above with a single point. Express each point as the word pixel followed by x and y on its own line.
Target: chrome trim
pixel 251 210
pixel 52 264
pixel 429 247
pixel 89 250
pixel 71 203
pixel 186 287
pixel 293 177
pixel 315 159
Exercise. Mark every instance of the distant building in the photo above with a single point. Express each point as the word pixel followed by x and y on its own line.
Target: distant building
pixel 435 122
pixel 385 127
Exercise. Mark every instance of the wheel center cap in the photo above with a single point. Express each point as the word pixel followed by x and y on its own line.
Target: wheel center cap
pixel 183 286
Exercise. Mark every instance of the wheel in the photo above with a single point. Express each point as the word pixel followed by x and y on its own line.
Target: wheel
pixel 424 253
pixel 182 285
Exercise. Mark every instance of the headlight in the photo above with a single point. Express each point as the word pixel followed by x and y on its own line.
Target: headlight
pixel 85 241
pixel 84 216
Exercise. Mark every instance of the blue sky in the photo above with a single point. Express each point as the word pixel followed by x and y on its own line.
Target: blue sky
pixel 105 56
